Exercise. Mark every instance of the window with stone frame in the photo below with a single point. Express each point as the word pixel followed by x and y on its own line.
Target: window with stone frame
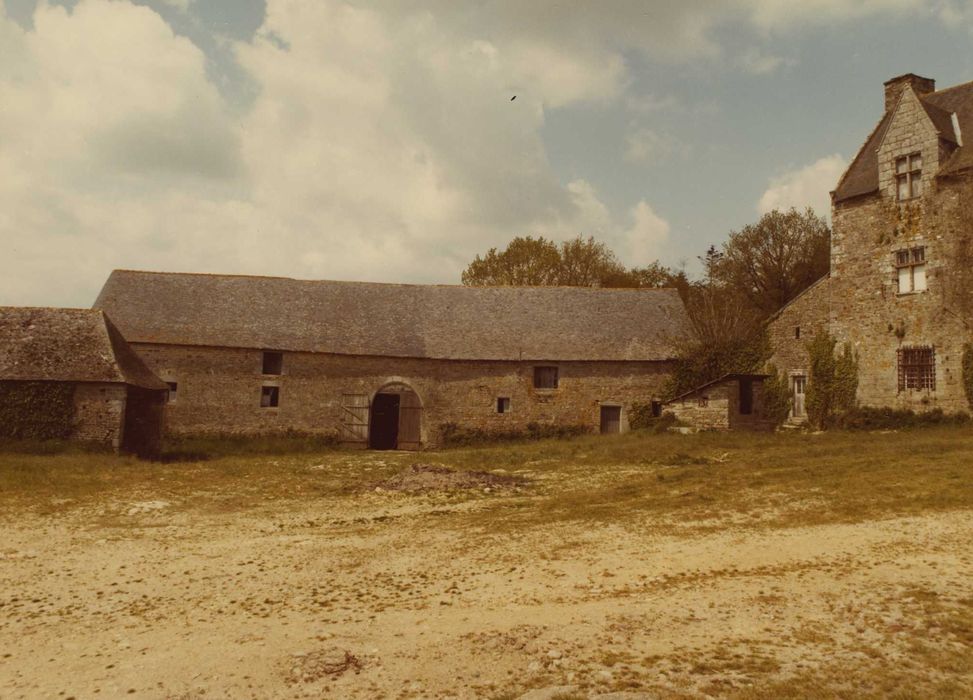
pixel 917 368
pixel 910 265
pixel 545 377
pixel 269 396
pixel 908 177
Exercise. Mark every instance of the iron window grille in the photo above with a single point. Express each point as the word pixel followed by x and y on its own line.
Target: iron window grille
pixel 908 177
pixel 917 368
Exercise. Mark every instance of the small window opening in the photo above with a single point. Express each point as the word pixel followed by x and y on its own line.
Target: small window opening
pixel 911 269
pixel 656 409
pixel 797 332
pixel 545 377
pixel 503 404
pixel 269 396
pixel 173 391
pixel 273 362
pixel 702 401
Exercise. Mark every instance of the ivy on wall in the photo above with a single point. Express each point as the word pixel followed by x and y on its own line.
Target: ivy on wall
pixel 833 383
pixel 776 396
pixel 36 410
pixel 968 373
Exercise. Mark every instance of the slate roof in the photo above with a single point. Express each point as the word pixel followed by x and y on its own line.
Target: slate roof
pixel 721 380
pixel 862 175
pixel 395 320
pixel 75 345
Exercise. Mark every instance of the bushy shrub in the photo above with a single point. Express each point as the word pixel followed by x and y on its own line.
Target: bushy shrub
pixel 641 417
pixel 866 418
pixel 776 396
pixel 833 383
pixel 455 435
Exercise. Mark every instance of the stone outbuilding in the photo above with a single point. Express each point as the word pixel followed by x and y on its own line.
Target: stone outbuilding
pixel 69 374
pixel 394 365
pixel 898 291
pixel 732 402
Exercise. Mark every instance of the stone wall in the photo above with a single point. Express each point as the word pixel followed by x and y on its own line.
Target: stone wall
pixel 99 412
pixel 794 326
pixel 717 407
pixel 218 390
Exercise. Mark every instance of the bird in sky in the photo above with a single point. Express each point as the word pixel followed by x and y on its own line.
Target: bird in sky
pixel 513 98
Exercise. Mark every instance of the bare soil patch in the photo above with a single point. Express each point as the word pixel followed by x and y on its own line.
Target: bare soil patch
pixel 429 477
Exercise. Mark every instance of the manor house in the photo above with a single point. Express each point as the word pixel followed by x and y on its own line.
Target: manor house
pixel 896 290
pixel 394 365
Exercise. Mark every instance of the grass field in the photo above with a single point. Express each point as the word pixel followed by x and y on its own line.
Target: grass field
pixel 728 565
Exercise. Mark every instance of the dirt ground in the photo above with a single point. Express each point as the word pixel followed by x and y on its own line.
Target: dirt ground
pixel 389 592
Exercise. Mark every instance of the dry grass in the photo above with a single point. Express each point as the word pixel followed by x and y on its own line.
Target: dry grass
pixel 320 543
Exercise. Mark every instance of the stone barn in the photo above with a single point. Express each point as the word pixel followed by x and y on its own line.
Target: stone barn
pixel 732 402
pixel 69 374
pixel 393 365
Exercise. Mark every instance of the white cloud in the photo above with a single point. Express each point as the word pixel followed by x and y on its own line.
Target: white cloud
pixel 377 148
pixel 643 145
pixel 645 240
pixel 809 186
pixel 754 61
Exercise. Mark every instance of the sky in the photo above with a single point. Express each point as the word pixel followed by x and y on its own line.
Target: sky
pixel 381 141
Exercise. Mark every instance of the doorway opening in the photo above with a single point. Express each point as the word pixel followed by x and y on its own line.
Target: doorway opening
pixel 799 382
pixel 395 419
pixel 384 432
pixel 611 420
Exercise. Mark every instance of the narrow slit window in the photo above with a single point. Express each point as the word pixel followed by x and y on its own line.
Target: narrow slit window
pixel 797 332
pixel 273 363
pixel 269 397
pixel 545 378
pixel 172 392
pixel 503 404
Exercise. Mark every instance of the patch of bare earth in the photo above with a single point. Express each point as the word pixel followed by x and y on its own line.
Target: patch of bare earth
pixel 422 589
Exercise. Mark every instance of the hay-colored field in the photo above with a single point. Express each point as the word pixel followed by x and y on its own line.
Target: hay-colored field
pixel 737 566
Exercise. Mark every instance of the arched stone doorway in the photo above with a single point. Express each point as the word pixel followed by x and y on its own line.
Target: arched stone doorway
pixel 395 418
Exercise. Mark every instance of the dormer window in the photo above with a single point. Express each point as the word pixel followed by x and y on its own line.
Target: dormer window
pixel 908 177
pixel 911 269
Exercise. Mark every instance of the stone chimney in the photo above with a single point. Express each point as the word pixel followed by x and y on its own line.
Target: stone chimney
pixel 895 86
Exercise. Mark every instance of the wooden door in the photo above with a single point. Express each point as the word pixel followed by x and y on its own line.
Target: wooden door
pixel 354 420
pixel 611 420
pixel 410 421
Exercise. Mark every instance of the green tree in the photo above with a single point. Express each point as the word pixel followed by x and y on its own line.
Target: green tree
pixel 525 261
pixel 772 261
pixel 777 397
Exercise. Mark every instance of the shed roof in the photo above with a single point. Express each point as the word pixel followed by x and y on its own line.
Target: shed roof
pixel 732 377
pixel 861 177
pixel 395 320
pixel 76 345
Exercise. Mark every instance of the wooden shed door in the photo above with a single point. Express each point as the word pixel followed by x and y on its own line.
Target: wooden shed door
pixel 354 419
pixel 410 421
pixel 611 420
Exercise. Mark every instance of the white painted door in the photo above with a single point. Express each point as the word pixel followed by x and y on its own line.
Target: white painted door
pixel 799 382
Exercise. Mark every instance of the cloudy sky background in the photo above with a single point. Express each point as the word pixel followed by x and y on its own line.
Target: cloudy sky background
pixel 377 140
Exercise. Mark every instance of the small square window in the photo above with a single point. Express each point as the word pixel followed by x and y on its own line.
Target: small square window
pixel 503 404
pixel 273 363
pixel 173 390
pixel 269 396
pixel 545 377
